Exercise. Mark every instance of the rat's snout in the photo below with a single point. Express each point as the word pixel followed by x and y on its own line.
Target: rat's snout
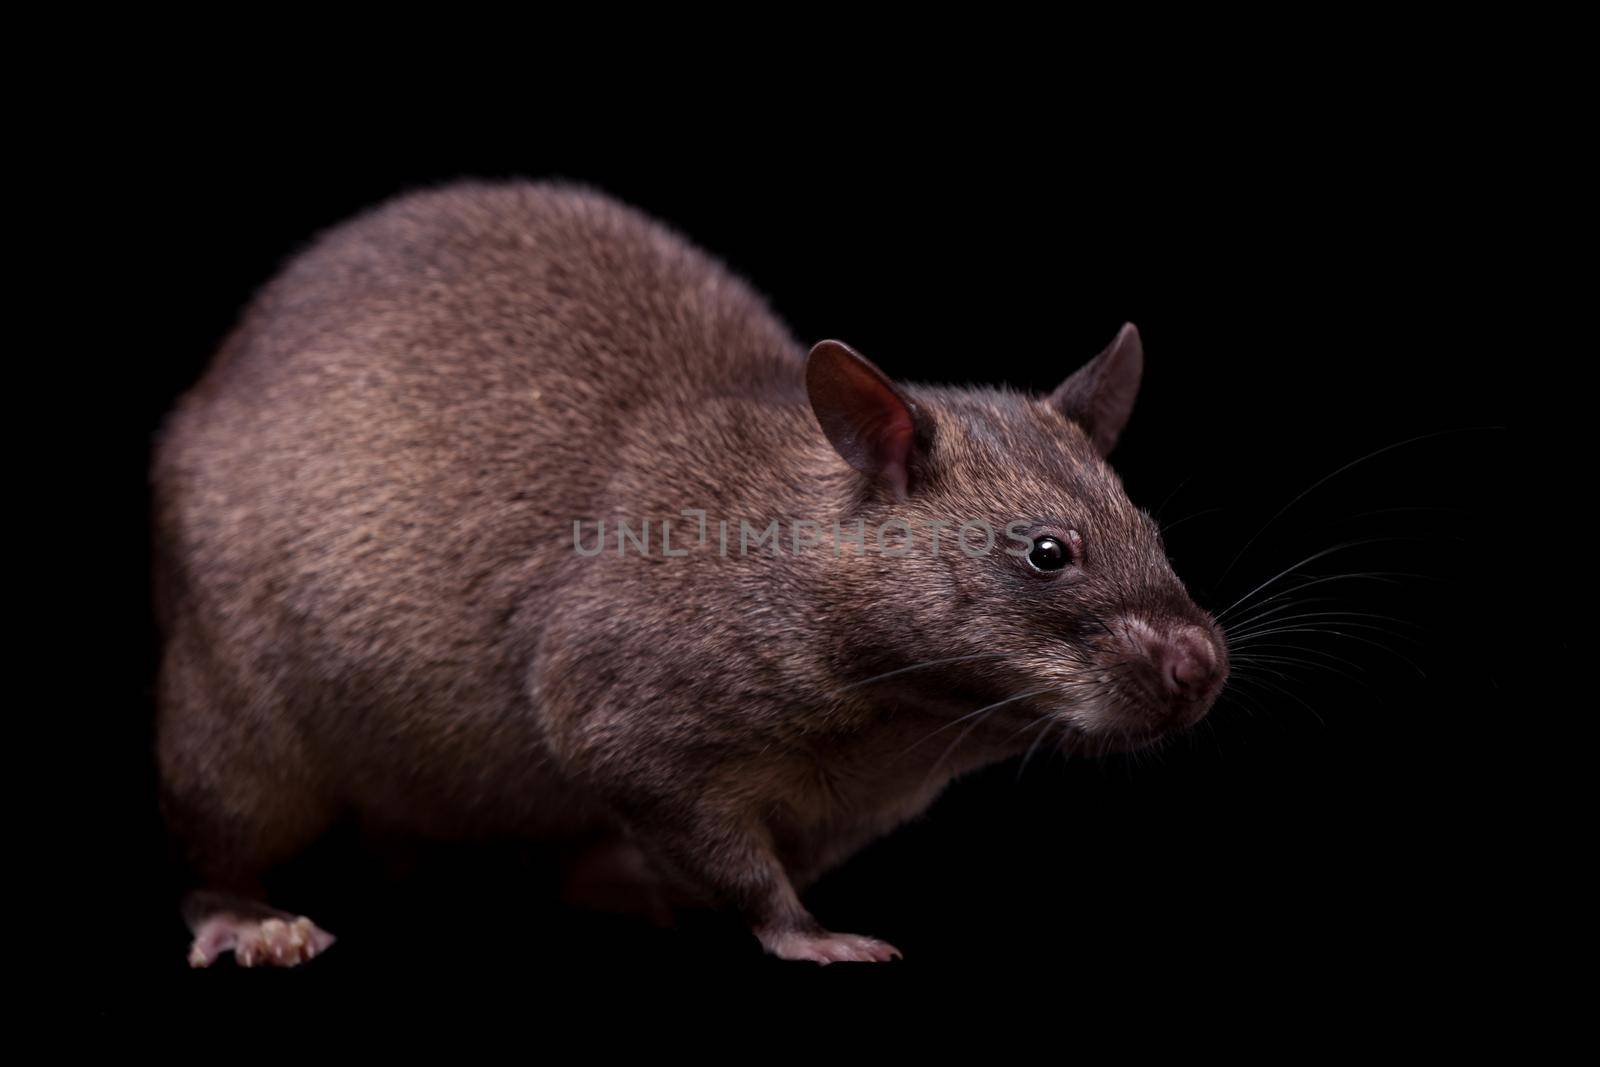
pixel 1189 664
pixel 1180 666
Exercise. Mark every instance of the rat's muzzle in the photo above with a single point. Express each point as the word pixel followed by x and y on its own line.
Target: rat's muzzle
pixel 1191 666
pixel 1168 673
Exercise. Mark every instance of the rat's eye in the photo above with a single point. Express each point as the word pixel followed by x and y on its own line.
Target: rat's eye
pixel 1049 553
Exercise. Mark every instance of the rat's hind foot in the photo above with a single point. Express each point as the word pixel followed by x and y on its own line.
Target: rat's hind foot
pixel 257 937
pixel 822 947
pixel 258 942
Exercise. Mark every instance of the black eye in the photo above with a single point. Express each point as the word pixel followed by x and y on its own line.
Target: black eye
pixel 1049 554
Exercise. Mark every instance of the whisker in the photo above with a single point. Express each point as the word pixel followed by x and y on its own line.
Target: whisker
pixel 1044 731
pixel 1309 559
pixel 1235 697
pixel 1256 650
pixel 1292 696
pixel 920 666
pixel 1386 577
pixel 973 714
pixel 1254 653
pixel 1325 616
pixel 1169 497
pixel 1330 628
pixel 1264 611
pixel 1247 670
pixel 1174 524
pixel 1363 640
pixel 1325 479
pixel 1291 662
pixel 964 733
pixel 1392 511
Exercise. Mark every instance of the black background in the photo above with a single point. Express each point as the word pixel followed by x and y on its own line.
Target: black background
pixel 1317 280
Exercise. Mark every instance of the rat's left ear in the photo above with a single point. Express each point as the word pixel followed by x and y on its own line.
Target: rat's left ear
pixel 866 419
pixel 1099 395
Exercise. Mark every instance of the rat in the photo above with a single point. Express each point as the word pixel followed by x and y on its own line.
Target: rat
pixel 506 512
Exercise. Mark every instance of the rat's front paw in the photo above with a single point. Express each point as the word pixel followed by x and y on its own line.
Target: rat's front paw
pixel 825 948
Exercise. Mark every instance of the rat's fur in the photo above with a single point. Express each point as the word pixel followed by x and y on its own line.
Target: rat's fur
pixel 373 606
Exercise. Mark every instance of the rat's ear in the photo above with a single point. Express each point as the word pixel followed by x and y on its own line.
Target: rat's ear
pixel 864 416
pixel 1099 395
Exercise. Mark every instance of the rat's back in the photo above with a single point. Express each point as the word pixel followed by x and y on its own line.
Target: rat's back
pixel 363 503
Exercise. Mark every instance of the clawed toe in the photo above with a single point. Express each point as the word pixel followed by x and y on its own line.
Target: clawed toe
pixel 825 947
pixel 258 943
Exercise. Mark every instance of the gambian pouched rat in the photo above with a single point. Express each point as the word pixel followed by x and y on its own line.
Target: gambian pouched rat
pixel 505 511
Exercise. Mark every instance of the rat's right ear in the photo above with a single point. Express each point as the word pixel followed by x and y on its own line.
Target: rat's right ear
pixel 1099 395
pixel 866 419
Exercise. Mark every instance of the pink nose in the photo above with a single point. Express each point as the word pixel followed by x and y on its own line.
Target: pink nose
pixel 1188 662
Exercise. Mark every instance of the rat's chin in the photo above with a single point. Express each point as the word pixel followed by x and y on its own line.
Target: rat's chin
pixel 1102 730
pixel 1105 741
pixel 1126 721
pixel 1097 730
pixel 1106 719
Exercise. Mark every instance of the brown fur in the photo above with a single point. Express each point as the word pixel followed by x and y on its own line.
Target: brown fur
pixel 372 603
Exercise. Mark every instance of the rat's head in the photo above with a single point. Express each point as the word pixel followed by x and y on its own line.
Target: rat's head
pixel 1049 591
